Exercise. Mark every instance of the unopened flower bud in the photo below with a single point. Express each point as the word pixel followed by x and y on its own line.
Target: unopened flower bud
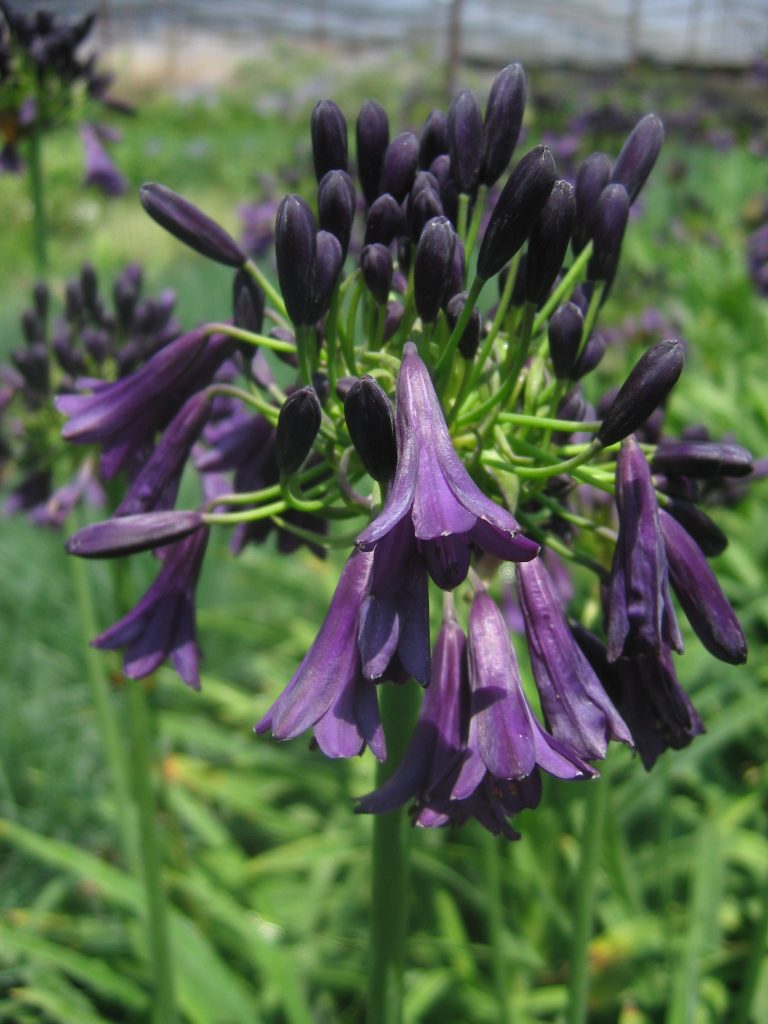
pixel 698 525
pixel 328 127
pixel 297 428
pixel 385 220
pixel 73 301
pixel 564 334
pixel 590 357
pixel 401 162
pixel 295 251
pixel 650 380
pixel 503 120
pixel 449 197
pixel 372 133
pixel 608 224
pixel 395 313
pixel 371 426
pixel 126 535
pixel 593 176
pixel 40 296
pixel 190 225
pixel 465 140
pixel 32 327
pixel 325 272
pixel 701 459
pixel 434 138
pixel 432 267
pixel 423 206
pixel 248 302
pixel 516 209
pixel 376 265
pixel 470 339
pixel 638 155
pixel 549 240
pixel 336 206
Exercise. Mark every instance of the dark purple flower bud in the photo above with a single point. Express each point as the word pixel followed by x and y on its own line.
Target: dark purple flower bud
pixel 395 313
pixel 385 221
pixel 372 131
pixel 440 168
pixel 32 327
pixel 575 707
pixel 336 206
pixel 156 485
pixel 698 524
pixel 376 265
pixel 465 140
pixel 503 120
pixel 434 138
pixel 422 207
pixel 591 356
pixel 564 332
pixel 594 174
pixel 329 258
pixel 608 223
pixel 516 210
pixel 371 426
pixel 295 242
pixel 162 624
pixel 329 138
pixel 640 617
pixel 190 225
pixel 89 286
pixel 328 692
pixel 650 380
pixel 701 459
pixel 549 240
pixel 96 342
pixel 40 296
pixel 470 339
pixel 32 364
pixel 124 295
pixel 126 535
pixel 705 605
pixel 73 301
pixel 70 360
pixel 247 305
pixel 638 155
pixel 432 266
pixel 401 161
pixel 297 427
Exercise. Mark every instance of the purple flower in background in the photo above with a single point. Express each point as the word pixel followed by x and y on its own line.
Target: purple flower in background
pixel 100 169
pixel 450 513
pixel 329 693
pixel 162 624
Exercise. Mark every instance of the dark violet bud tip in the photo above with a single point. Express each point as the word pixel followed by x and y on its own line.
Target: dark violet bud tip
pixel 329 138
pixel 126 535
pixel 503 120
pixel 564 333
pixel 432 266
pixel 297 428
pixel 549 240
pixel 190 225
pixel 372 133
pixel 465 140
pixel 647 385
pixel 247 303
pixel 371 426
pixel 295 243
pixel 376 265
pixel 470 339
pixel 638 155
pixel 702 459
pixel 609 222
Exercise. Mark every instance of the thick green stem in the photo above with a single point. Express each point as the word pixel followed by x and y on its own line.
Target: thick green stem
pixel 111 738
pixel 586 886
pixel 37 195
pixel 495 918
pixel 158 938
pixel 390 873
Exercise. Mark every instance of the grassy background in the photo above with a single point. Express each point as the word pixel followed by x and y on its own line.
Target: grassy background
pixel 265 861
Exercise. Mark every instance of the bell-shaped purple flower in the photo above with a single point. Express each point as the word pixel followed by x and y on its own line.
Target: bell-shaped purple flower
pixel 328 693
pixel 100 169
pixel 162 624
pixel 640 616
pixel 576 708
pixel 448 510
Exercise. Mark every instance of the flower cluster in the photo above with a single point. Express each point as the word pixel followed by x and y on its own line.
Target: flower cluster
pixel 44 83
pixel 460 433
pixel 89 342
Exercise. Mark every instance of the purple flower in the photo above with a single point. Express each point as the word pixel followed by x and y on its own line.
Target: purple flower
pixel 162 624
pixel 329 693
pixel 126 535
pixel 100 169
pixel 640 616
pixel 431 486
pixel 576 707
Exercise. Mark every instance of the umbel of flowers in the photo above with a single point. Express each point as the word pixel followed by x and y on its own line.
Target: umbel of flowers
pixel 94 340
pixel 434 439
pixel 45 84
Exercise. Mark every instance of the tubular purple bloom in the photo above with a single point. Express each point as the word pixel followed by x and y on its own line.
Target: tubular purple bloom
pixel 126 535
pixel 705 605
pixel 372 133
pixel 576 708
pixel 638 155
pixel 100 169
pixel 432 487
pixel 516 209
pixel 162 624
pixel 503 121
pixel 640 616
pixel 328 692
pixel 190 225
pixel 650 380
